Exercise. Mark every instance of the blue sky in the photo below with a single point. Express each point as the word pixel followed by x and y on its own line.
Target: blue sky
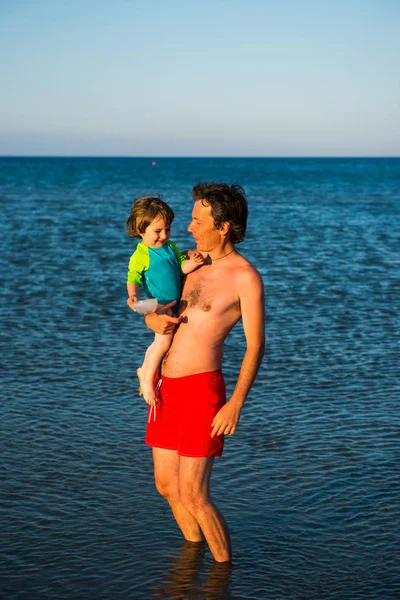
pixel 200 78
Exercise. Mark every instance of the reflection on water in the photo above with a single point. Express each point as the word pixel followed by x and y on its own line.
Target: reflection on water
pixel 184 577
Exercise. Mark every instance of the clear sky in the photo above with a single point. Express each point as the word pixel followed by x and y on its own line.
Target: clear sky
pixel 200 77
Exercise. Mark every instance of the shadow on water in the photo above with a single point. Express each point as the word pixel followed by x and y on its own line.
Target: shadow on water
pixel 185 578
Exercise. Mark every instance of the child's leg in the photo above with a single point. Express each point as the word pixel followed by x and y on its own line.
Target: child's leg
pixel 140 371
pixel 153 357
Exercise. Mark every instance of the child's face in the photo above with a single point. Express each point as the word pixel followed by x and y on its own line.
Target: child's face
pixel 156 234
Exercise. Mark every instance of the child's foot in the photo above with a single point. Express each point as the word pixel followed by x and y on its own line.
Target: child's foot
pixel 149 393
pixel 139 376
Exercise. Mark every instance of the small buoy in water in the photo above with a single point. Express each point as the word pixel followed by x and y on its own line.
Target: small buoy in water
pixel 153 164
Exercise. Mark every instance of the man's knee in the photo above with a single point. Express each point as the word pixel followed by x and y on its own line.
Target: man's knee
pixel 166 487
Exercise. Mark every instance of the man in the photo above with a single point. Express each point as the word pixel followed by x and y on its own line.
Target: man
pixel 188 427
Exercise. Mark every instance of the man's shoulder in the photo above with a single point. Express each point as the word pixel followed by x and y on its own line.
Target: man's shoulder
pixel 244 266
pixel 247 274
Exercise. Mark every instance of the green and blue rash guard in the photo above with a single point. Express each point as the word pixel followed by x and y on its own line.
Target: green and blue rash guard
pixel 157 271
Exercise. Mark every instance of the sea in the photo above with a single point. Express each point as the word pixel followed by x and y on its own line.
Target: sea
pixel 309 484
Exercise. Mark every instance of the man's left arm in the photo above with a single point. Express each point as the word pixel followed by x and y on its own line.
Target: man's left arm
pixel 252 307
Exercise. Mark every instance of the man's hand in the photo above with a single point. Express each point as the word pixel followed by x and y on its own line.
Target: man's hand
pixel 162 320
pixel 226 420
pixel 165 309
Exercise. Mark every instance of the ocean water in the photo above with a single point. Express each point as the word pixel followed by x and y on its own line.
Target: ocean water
pixel 309 484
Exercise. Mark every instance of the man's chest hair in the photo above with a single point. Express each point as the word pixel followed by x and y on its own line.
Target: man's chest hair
pixel 195 296
pixel 208 293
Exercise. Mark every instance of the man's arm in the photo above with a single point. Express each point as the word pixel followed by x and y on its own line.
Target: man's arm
pixel 160 321
pixel 251 296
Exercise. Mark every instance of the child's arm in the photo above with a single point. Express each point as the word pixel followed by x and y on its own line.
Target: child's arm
pixel 196 260
pixel 138 263
pixel 133 293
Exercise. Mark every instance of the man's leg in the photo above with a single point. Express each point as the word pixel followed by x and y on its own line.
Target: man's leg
pixel 166 475
pixel 194 494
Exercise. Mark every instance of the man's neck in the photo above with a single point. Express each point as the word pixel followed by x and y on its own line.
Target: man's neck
pixel 222 252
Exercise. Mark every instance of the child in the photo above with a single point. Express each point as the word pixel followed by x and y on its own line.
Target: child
pixel 156 265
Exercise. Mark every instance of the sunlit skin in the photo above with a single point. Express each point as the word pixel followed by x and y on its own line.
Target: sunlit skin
pixel 156 234
pixel 206 236
pixel 225 289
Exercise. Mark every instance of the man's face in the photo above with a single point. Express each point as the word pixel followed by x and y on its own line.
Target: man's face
pixel 202 227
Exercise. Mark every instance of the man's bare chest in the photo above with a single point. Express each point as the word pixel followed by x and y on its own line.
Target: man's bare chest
pixel 209 292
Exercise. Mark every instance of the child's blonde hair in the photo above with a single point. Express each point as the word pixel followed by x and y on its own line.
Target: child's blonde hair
pixel 144 210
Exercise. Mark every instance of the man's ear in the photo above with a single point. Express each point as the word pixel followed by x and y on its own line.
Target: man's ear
pixel 225 228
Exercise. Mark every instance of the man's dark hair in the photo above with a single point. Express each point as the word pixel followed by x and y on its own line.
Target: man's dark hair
pixel 228 205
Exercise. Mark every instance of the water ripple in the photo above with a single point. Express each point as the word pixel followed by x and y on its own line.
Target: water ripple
pixel 310 482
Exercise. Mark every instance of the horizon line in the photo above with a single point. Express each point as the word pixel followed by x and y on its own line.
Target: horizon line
pixel 160 157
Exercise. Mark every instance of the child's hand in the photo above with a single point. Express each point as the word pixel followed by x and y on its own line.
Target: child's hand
pixel 131 301
pixel 197 258
pixel 194 261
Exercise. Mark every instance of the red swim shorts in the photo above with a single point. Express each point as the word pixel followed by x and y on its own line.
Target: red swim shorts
pixel 185 410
